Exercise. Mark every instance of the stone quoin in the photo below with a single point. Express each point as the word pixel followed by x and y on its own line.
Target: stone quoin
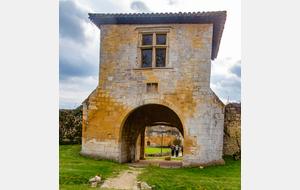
pixel 155 68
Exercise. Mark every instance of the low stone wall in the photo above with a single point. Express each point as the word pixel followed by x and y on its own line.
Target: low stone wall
pixel 232 130
pixel 159 154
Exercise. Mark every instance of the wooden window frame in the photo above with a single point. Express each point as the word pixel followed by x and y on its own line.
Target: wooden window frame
pixel 154 46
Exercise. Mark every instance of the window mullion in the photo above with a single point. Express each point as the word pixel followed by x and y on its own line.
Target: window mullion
pixel 154 50
pixel 153 57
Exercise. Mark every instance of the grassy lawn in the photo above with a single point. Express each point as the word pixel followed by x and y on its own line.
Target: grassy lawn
pixel 75 170
pixel 151 149
pixel 226 177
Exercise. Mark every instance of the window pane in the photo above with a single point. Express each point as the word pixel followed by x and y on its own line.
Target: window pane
pixel 160 57
pixel 147 39
pixel 160 39
pixel 146 57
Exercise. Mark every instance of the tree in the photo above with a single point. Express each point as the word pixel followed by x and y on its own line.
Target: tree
pixel 177 142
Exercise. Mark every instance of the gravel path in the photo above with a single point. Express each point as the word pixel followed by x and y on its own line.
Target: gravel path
pixel 163 163
pixel 126 180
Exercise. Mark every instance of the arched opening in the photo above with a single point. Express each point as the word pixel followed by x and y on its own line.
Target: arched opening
pixel 133 130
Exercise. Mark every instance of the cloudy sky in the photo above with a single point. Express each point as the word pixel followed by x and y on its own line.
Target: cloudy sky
pixel 79 41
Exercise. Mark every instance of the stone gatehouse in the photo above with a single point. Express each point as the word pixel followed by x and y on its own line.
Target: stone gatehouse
pixel 155 68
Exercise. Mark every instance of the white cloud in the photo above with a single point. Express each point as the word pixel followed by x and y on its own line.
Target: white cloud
pixel 76 90
pixel 223 66
pixel 229 86
pixel 107 6
pixel 224 82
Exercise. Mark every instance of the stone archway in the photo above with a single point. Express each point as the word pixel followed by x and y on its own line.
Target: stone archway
pixel 135 123
pixel 111 132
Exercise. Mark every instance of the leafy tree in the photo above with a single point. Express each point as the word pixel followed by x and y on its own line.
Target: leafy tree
pixel 177 142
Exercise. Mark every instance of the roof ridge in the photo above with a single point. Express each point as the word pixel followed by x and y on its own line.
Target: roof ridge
pixel 155 13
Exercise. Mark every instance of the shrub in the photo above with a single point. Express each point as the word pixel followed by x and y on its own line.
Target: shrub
pixel 70 126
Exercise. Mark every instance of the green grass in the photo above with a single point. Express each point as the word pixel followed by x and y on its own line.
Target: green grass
pixel 151 150
pixel 226 177
pixel 75 170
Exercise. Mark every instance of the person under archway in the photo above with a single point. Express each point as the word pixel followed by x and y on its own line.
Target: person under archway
pixel 177 150
pixel 172 149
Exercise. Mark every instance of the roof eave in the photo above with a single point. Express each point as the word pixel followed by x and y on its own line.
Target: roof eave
pixel 217 18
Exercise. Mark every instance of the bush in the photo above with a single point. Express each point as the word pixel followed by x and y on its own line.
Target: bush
pixel 70 126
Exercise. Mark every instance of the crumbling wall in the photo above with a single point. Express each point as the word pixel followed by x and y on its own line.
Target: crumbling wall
pixel 232 129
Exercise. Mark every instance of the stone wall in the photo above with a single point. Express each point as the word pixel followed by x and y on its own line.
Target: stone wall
pixel 232 129
pixel 138 148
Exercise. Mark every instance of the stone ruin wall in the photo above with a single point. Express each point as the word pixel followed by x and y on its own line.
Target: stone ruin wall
pixel 154 135
pixel 232 129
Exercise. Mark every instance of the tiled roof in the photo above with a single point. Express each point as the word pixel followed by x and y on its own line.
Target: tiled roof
pixel 218 18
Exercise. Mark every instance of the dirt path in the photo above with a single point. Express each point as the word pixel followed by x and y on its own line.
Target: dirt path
pixel 125 180
pixel 163 163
